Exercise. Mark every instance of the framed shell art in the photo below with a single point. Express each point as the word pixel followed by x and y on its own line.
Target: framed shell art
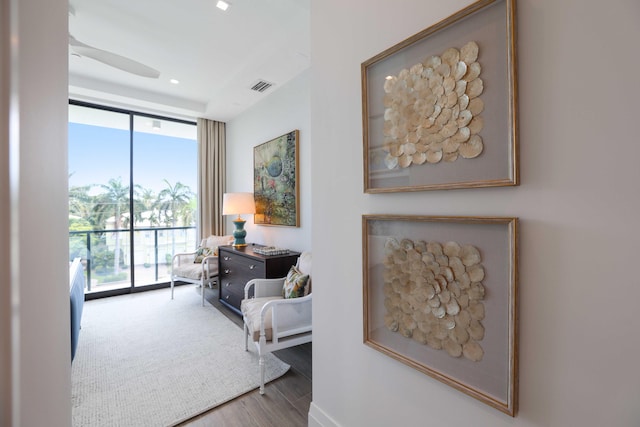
pixel 275 181
pixel 440 295
pixel 440 108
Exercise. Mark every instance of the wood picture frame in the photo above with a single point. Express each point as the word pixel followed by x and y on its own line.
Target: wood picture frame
pixel 440 108
pixel 276 181
pixel 440 295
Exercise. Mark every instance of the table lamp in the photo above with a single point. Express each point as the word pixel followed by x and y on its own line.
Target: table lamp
pixel 238 204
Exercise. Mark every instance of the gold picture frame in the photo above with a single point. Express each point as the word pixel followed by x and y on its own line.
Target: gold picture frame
pixel 440 108
pixel 276 181
pixel 440 295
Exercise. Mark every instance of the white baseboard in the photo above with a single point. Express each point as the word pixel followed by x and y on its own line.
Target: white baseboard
pixel 319 418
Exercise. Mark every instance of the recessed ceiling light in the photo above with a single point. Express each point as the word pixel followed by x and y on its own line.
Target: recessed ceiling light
pixel 222 5
pixel 174 81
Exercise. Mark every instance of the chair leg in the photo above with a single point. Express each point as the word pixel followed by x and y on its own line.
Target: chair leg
pixel 202 291
pixel 171 287
pixel 246 337
pixel 261 374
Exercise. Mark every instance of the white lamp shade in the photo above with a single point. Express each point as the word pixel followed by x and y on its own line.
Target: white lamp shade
pixel 238 204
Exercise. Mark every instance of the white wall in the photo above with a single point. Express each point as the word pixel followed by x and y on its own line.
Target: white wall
pixel 578 204
pixel 281 112
pixel 33 208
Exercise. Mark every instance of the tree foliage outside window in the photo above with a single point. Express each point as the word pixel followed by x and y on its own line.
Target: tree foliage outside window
pixel 100 209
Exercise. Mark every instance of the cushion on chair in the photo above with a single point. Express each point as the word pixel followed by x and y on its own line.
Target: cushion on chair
pixel 209 246
pixel 194 271
pixel 214 241
pixel 251 311
pixel 202 253
pixel 295 283
pixel 304 265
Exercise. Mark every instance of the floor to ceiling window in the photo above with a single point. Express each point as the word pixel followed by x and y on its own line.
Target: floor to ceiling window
pixel 132 196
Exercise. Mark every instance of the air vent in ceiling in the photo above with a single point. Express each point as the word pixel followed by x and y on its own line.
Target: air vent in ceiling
pixel 261 86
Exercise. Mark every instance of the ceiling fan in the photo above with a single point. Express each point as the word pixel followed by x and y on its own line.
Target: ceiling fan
pixel 112 59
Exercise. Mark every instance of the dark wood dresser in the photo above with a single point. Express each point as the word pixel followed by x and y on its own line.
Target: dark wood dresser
pixel 238 266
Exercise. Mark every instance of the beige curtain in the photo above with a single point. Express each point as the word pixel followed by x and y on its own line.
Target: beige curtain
pixel 211 176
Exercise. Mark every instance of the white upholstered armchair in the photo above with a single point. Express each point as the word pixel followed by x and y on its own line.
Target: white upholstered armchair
pixel 273 322
pixel 200 266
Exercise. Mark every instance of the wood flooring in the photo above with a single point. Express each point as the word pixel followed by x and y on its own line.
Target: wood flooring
pixel 285 402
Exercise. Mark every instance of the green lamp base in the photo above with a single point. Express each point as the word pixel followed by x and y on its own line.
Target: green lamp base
pixel 239 233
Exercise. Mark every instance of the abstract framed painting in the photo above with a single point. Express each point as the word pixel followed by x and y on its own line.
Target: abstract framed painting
pixel 275 181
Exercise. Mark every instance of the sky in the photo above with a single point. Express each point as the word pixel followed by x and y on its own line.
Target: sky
pixel 97 154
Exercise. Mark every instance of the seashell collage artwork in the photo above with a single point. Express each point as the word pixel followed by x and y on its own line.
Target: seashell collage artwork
pixel 440 112
pixel 432 110
pixel 433 293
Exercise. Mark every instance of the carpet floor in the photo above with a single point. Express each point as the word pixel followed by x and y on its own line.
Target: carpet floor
pixel 146 360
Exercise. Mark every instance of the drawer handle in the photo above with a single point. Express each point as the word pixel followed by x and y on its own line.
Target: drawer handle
pixel 227 285
pixel 227 271
pixel 226 258
pixel 227 297
pixel 251 267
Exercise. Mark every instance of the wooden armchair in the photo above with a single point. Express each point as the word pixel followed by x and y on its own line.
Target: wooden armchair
pixel 273 322
pixel 199 267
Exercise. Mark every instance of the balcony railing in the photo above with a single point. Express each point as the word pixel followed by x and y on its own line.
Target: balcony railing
pixel 153 247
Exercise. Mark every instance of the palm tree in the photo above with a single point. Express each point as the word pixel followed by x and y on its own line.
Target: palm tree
pixel 171 200
pixel 113 202
pixel 145 201
pixel 187 212
pixel 80 202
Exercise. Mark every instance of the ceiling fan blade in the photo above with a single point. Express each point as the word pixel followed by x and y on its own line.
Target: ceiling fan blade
pixel 112 59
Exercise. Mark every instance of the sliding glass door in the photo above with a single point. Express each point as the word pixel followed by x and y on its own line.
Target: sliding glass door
pixel 132 195
pixel 165 177
pixel 99 171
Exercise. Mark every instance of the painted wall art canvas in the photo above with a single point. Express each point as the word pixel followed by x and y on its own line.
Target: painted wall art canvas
pixel 275 181
pixel 440 295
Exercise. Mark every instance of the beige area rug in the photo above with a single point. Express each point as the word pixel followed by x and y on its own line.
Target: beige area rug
pixel 145 360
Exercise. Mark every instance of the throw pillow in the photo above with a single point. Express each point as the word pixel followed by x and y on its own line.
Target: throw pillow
pixel 294 283
pixel 201 254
